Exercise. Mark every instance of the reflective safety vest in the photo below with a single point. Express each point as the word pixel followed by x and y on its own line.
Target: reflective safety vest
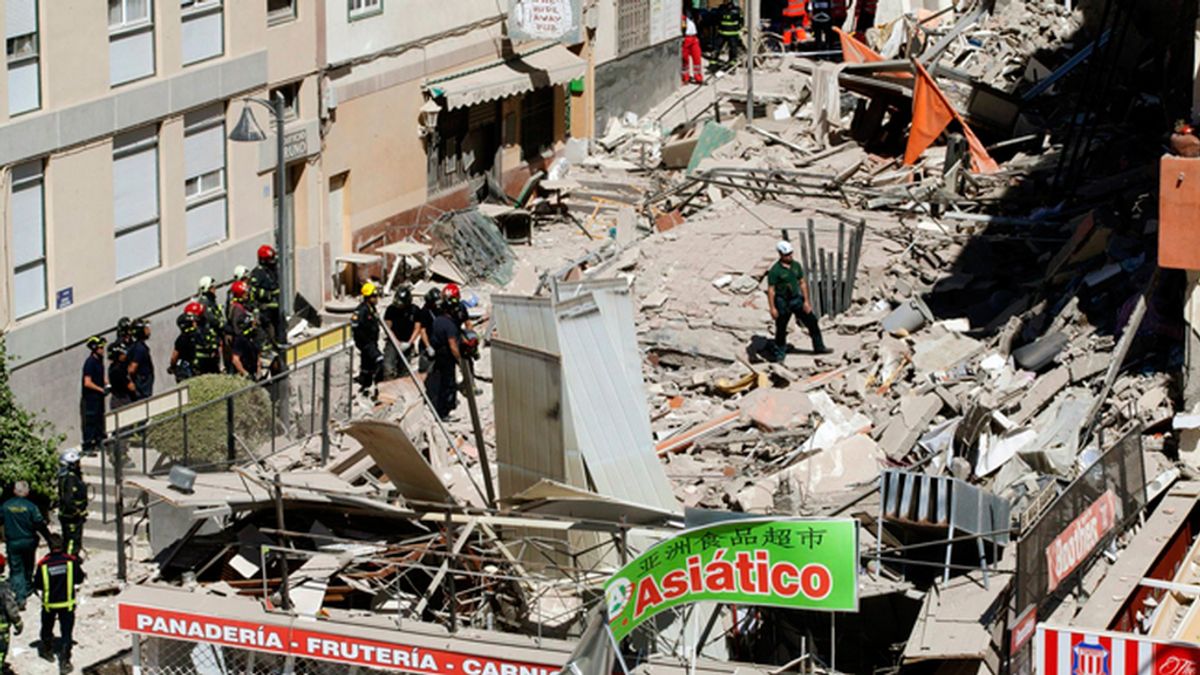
pixel 731 23
pixel 69 602
pixel 796 9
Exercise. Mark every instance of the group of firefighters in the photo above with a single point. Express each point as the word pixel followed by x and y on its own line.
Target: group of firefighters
pixel 57 575
pixel 439 334
pixel 232 338
pixel 797 22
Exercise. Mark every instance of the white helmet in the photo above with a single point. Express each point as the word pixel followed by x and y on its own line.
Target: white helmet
pixel 69 456
pixel 784 247
pixel 206 284
pixel 240 272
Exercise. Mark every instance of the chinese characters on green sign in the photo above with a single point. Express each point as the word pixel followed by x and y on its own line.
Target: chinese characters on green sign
pixel 808 564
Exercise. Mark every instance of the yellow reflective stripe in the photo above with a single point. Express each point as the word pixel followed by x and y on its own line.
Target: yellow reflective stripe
pixel 69 603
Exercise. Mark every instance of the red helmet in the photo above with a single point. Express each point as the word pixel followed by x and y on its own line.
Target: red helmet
pixel 240 289
pixel 193 309
pixel 451 291
pixel 266 254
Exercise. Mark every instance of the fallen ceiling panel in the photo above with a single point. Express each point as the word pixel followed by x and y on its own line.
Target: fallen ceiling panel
pixel 400 460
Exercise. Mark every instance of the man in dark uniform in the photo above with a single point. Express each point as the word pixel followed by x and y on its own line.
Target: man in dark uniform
pixel 23 522
pixel 264 293
pixel 72 501
pixel 237 306
pixel 183 355
pixel 364 326
pixel 91 400
pixel 245 350
pixel 401 319
pixel 440 382
pixel 787 294
pixel 729 31
pixel 118 376
pixel 425 317
pixel 141 366
pixel 10 615
pixel 58 576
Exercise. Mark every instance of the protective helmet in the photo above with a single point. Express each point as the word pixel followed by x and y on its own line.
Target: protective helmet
pixel 433 296
pixel 96 342
pixel 266 254
pixel 3 561
pixel 193 309
pixel 116 351
pixel 69 456
pixel 369 290
pixel 451 292
pixel 403 296
pixel 206 284
pixel 123 326
pixel 186 322
pixel 241 272
pixel 784 247
pixel 240 289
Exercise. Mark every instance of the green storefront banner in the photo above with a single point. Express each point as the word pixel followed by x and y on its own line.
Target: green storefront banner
pixel 806 564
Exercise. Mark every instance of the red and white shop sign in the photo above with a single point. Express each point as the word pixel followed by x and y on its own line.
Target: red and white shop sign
pixel 1073 545
pixel 1061 651
pixel 314 644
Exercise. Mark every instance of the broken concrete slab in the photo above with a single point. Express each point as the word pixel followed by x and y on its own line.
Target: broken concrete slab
pixel 851 461
pixel 1044 389
pixel 776 409
pixel 1089 365
pixel 906 427
pixel 944 352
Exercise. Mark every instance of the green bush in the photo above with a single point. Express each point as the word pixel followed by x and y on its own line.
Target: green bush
pixel 28 445
pixel 206 441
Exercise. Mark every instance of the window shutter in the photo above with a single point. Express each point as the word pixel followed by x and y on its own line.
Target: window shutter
pixel 20 17
pixel 205 224
pixel 29 291
pixel 27 224
pixel 137 251
pixel 135 190
pixel 203 36
pixel 24 87
pixel 204 151
pixel 131 56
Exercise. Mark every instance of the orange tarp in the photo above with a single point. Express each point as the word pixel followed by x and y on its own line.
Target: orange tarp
pixel 932 113
pixel 856 51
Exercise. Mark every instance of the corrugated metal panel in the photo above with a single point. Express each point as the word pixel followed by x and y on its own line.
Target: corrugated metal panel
pixel 527 387
pixel 615 300
pixel 610 419
pixel 526 321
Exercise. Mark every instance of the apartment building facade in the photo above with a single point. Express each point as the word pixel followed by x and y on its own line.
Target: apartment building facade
pixel 119 188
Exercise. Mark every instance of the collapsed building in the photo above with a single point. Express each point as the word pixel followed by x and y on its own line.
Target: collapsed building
pixel 1002 413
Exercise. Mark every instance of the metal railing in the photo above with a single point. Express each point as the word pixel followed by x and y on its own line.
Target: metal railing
pixel 250 424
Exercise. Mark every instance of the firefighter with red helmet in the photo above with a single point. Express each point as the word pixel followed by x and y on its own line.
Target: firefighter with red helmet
pixel 237 312
pixel 183 356
pixel 264 293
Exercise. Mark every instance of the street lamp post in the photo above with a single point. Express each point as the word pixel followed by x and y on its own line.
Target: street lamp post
pixel 247 130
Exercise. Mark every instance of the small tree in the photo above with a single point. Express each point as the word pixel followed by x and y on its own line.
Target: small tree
pixel 206 428
pixel 28 444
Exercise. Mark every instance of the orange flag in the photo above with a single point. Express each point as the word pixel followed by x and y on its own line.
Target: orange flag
pixel 856 51
pixel 932 113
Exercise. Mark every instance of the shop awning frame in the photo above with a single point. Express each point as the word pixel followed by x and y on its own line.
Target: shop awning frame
pixel 544 67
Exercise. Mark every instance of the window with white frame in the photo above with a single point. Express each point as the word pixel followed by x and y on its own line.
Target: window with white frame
pixel 22 50
pixel 135 201
pixel 130 40
pixel 27 207
pixel 360 9
pixel 204 176
pixel 203 29
pixel 280 11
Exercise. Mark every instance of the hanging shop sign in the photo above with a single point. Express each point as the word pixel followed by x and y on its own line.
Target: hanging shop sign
pixel 1074 544
pixel 806 564
pixel 1074 651
pixel 312 643
pixel 545 20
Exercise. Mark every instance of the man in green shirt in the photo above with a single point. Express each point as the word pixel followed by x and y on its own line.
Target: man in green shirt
pixel 23 522
pixel 787 294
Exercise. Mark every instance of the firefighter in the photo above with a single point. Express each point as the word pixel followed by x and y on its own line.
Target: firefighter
pixel 364 326
pixel 796 23
pixel 441 381
pixel 58 576
pixel 240 273
pixel 207 296
pixel 94 390
pixel 246 349
pixel 141 365
pixel 10 615
pixel 729 31
pixel 118 376
pixel 425 317
pixel 401 320
pixel 183 356
pixel 237 306
pixel 72 501
pixel 264 293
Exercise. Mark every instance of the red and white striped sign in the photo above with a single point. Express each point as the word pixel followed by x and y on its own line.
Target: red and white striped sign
pixel 1064 651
